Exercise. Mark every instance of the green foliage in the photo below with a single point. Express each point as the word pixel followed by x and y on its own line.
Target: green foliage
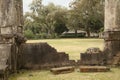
pixel 90 14
pixel 29 34
pixel 72 35
pixel 51 21
pixel 41 36
pixel 60 28
pixel 45 21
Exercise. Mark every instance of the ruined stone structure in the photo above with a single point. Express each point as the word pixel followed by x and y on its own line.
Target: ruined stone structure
pixel 112 29
pixel 93 56
pixel 11 22
pixel 111 53
pixel 43 56
pixel 92 59
pixel 14 52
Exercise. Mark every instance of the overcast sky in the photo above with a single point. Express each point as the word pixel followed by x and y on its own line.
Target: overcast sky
pixel 45 2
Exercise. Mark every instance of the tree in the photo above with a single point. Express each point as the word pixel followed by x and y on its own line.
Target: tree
pixel 49 19
pixel 90 13
pixel 73 22
pixel 60 21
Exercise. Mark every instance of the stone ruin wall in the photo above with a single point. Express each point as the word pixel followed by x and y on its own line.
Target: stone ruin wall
pixel 43 56
pixel 112 29
pixel 12 42
pixel 92 59
pixel 111 53
pixel 11 23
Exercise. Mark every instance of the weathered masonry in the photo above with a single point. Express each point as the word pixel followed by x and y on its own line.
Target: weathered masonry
pixel 11 23
pixel 111 53
pixel 43 56
pixel 14 52
pixel 112 31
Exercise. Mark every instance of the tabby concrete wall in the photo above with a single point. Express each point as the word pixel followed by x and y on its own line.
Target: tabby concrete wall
pixel 43 56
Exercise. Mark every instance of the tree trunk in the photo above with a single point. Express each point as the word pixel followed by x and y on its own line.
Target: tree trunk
pixel 76 33
pixel 88 32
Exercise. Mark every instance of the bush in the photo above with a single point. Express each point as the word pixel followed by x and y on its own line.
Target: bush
pixel 72 35
pixel 52 36
pixel 42 36
pixel 29 34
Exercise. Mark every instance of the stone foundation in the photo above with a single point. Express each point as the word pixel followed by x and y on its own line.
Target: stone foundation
pixel 112 45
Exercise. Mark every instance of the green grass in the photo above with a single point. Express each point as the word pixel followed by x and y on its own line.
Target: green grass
pixel 47 75
pixel 73 47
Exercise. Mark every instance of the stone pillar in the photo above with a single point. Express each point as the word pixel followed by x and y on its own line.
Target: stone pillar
pixel 11 24
pixel 112 28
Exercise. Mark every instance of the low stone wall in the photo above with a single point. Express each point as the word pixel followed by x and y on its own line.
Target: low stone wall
pixel 92 59
pixel 42 56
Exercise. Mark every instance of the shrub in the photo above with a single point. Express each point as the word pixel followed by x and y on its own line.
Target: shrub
pixel 72 35
pixel 29 34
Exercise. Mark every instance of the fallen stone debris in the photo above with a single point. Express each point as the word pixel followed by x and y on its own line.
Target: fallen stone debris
pixel 62 70
pixel 94 69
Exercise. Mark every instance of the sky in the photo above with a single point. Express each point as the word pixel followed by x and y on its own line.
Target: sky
pixel 64 3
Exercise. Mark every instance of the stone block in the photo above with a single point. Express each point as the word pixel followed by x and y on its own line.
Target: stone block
pixel 62 70
pixel 5 50
pixel 94 69
pixel 92 59
pixel 5 54
pixel 6 30
pixel 6 39
pixel 112 35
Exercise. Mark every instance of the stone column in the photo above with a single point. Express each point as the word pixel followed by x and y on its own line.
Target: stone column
pixel 112 28
pixel 11 17
pixel 11 23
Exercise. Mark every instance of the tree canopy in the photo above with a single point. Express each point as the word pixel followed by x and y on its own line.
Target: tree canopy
pixel 90 13
pixel 50 21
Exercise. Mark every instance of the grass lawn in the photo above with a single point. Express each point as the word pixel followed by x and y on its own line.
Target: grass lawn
pixel 46 75
pixel 73 47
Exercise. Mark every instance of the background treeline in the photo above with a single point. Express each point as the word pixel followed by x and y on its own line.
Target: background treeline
pixel 50 21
